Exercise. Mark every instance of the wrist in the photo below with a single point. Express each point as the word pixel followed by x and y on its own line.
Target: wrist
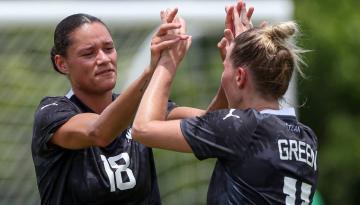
pixel 168 64
pixel 149 70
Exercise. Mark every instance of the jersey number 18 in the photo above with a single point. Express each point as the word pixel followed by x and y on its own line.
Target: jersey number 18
pixel 119 169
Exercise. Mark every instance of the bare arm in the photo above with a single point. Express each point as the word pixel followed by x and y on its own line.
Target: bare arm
pixel 150 127
pixel 90 129
pixel 218 102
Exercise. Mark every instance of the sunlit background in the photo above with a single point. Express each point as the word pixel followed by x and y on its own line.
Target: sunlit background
pixel 328 100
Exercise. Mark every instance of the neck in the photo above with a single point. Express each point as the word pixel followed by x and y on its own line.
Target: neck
pixel 95 101
pixel 257 103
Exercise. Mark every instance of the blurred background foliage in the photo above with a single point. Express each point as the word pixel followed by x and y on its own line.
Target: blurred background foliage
pixel 332 93
pixel 330 98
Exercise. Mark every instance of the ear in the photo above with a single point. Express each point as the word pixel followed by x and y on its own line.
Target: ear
pixel 241 77
pixel 61 64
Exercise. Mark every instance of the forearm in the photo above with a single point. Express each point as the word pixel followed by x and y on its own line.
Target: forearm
pixel 219 101
pixel 119 114
pixel 154 102
pixel 90 129
pixel 184 112
pixel 150 127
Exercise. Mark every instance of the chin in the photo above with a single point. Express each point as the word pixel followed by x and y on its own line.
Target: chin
pixel 105 86
pixel 109 86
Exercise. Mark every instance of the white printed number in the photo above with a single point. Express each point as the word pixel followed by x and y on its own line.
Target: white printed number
pixel 111 162
pixel 290 190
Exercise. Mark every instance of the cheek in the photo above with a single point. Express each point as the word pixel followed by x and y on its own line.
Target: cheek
pixel 113 57
pixel 228 82
pixel 81 71
pixel 226 77
pixel 225 81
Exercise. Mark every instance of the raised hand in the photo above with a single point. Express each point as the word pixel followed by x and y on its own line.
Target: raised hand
pixel 177 52
pixel 166 37
pixel 242 18
pixel 238 20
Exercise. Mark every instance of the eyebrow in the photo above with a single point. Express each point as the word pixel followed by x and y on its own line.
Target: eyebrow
pixel 85 49
pixel 91 46
pixel 109 43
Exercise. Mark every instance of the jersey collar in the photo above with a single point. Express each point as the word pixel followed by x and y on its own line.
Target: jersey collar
pixel 284 111
pixel 69 94
pixel 72 97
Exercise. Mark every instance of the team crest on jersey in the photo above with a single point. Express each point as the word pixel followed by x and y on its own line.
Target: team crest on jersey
pixel 128 135
pixel 230 114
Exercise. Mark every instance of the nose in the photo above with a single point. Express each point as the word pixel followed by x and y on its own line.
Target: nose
pixel 102 58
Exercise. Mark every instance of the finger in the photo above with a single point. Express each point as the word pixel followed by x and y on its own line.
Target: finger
pixel 222 48
pixel 227 7
pixel 222 43
pixel 229 36
pixel 238 6
pixel 263 24
pixel 229 24
pixel 171 15
pixel 243 16
pixel 164 28
pixel 164 45
pixel 163 16
pixel 249 15
pixel 159 39
pixel 250 12
pixel 237 21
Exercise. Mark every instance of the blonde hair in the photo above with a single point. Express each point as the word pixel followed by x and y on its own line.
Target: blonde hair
pixel 271 55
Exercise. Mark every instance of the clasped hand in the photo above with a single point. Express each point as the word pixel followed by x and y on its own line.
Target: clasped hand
pixel 170 43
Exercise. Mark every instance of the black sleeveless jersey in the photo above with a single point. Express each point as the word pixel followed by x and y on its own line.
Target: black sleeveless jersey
pixel 121 173
pixel 265 157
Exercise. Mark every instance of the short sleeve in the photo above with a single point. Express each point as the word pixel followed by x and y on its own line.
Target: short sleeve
pixel 219 134
pixel 50 115
pixel 171 105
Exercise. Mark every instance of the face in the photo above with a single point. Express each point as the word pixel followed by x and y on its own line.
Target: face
pixel 91 59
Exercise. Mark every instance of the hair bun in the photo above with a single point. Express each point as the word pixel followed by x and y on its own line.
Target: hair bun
pixel 283 31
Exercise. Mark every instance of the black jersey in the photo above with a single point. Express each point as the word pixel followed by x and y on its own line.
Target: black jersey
pixel 121 173
pixel 263 157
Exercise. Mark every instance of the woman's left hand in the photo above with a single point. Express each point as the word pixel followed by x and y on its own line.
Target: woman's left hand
pixel 176 52
pixel 169 34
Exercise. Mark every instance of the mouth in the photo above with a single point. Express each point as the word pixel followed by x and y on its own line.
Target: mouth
pixel 104 72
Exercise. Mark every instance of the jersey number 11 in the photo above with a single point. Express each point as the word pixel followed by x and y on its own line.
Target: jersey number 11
pixel 290 191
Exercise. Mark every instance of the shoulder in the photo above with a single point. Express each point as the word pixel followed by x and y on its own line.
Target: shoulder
pixel 230 116
pixel 49 103
pixel 52 101
pixel 225 120
pixel 309 133
pixel 50 107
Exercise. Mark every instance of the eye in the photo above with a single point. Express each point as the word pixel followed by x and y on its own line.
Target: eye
pixel 109 49
pixel 87 53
